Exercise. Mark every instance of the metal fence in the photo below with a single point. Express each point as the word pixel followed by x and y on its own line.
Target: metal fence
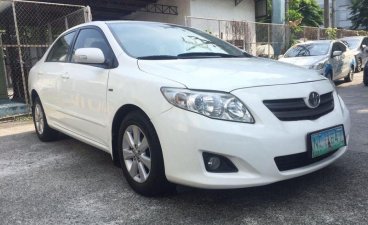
pixel 265 39
pixel 26 30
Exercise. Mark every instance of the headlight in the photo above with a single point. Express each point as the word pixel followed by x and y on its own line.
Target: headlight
pixel 319 65
pixel 215 105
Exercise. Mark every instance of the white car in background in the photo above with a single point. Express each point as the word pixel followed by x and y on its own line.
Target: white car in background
pixel 174 105
pixel 329 58
pixel 358 46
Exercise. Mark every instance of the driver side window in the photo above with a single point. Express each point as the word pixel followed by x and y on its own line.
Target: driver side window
pixel 335 47
pixel 92 38
pixel 342 47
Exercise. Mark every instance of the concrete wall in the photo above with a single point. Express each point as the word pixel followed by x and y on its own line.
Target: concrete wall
pixel 223 9
pixel 217 9
pixel 183 10
pixel 342 13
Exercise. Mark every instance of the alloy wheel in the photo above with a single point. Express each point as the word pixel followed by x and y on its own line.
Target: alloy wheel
pixel 359 66
pixel 136 153
pixel 39 120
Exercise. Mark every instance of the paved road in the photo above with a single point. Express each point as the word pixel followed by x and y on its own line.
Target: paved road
pixel 68 182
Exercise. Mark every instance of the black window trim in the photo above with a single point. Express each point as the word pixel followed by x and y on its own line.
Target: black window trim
pixel 114 62
pixel 112 65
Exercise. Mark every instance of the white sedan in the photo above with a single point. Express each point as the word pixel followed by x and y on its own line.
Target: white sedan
pixel 174 105
pixel 330 58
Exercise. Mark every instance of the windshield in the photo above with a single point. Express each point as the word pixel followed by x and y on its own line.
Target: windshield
pixel 314 49
pixel 352 43
pixel 141 40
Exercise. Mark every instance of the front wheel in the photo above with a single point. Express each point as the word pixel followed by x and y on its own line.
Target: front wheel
pixel 350 76
pixel 359 66
pixel 141 157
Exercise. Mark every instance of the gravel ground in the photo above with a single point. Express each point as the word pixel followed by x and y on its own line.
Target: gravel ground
pixel 68 182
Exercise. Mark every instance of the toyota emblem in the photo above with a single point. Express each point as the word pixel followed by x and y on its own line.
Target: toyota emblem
pixel 314 100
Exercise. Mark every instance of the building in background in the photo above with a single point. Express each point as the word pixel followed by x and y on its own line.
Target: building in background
pixel 342 13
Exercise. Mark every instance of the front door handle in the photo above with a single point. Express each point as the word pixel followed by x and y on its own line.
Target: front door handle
pixel 65 76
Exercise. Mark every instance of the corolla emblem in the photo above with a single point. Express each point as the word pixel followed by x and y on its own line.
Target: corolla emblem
pixel 314 100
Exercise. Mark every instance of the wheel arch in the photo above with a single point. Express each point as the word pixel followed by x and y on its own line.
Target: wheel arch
pixel 34 95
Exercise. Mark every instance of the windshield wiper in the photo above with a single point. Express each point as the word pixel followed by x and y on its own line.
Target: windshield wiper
pixel 158 57
pixel 207 55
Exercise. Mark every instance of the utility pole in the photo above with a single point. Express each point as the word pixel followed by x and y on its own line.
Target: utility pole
pixel 333 14
pixel 287 10
pixel 278 34
pixel 326 7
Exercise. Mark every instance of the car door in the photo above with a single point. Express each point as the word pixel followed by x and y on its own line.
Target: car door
pixel 347 60
pixel 336 61
pixel 84 90
pixel 49 74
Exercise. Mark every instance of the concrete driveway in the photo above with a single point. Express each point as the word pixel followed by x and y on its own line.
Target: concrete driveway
pixel 68 182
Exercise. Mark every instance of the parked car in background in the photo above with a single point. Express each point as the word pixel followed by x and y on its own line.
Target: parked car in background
pixel 173 104
pixel 359 46
pixel 365 75
pixel 330 58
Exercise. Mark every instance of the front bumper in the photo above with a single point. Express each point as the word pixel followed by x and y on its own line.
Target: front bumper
pixel 184 136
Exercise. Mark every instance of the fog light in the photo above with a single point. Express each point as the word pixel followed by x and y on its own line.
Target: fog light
pixel 214 163
pixel 218 164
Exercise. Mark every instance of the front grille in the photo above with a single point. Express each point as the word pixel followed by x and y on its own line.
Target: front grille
pixel 298 160
pixel 296 109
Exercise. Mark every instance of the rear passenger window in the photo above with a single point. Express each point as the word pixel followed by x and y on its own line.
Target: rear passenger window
pixel 92 38
pixel 60 50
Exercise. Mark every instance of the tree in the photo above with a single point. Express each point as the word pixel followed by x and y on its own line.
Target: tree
pixel 308 11
pixel 359 14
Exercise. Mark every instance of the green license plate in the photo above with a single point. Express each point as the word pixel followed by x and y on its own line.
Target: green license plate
pixel 325 141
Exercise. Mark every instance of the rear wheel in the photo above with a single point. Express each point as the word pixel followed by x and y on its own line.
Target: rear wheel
pixel 44 132
pixel 350 76
pixel 141 157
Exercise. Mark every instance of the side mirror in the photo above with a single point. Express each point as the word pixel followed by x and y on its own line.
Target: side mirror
pixel 89 56
pixel 364 46
pixel 336 53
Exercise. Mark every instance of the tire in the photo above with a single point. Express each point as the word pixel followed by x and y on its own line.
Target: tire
pixel 365 77
pixel 359 66
pixel 142 161
pixel 350 76
pixel 44 132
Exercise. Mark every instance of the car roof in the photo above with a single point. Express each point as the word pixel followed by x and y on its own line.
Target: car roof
pixel 353 37
pixel 316 42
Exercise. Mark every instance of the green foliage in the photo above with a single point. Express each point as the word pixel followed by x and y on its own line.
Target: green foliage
pixel 359 14
pixel 307 10
pixel 331 33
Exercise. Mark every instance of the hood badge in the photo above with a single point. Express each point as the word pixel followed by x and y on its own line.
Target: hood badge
pixel 314 100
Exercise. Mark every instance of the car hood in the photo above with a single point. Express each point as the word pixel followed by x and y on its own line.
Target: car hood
pixel 227 74
pixel 304 61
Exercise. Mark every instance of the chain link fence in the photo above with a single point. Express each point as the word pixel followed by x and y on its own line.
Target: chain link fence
pixel 264 39
pixel 26 30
